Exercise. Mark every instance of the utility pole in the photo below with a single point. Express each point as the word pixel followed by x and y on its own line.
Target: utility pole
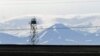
pixel 33 25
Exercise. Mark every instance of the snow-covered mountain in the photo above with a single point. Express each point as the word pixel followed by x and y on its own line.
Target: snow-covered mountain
pixel 59 34
pixel 18 23
pixel 77 21
pixel 53 34
pixel 9 39
pixel 82 21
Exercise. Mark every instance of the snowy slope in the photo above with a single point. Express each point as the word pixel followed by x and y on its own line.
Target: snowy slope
pixel 59 34
pixel 23 22
pixel 9 39
pixel 18 23
pixel 69 35
pixel 82 21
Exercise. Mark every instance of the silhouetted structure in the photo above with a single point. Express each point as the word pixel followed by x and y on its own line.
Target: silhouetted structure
pixel 33 24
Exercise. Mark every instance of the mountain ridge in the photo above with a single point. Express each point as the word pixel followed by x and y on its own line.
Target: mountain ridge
pixel 65 35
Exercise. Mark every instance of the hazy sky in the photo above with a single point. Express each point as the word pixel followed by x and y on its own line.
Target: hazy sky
pixel 14 8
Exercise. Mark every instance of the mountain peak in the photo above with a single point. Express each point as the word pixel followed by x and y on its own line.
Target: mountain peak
pixel 59 26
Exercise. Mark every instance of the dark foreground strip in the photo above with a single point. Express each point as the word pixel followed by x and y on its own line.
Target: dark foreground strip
pixel 49 50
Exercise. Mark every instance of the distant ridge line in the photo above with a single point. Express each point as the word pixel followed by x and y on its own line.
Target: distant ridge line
pixel 48 28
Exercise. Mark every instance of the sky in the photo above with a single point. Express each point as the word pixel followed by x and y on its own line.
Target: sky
pixel 17 8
